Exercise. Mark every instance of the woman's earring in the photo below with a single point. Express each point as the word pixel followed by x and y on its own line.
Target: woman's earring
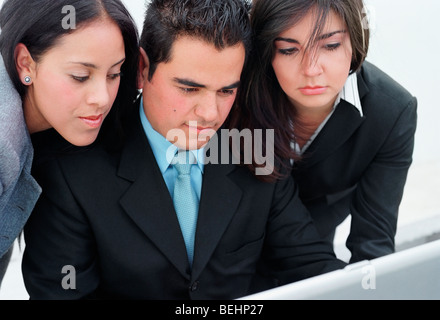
pixel 27 80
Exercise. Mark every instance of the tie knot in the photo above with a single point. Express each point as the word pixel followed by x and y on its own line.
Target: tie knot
pixel 182 161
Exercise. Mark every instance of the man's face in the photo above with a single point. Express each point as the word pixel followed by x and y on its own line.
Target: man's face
pixel 190 96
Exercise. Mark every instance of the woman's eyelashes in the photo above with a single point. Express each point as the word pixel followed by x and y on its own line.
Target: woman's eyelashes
pixel 332 46
pixel 114 76
pixel 82 79
pixel 294 50
pixel 288 51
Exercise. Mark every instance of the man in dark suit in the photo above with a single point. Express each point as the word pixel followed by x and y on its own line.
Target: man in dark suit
pixel 105 225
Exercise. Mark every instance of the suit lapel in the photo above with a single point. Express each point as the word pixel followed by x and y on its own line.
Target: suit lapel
pixel 339 128
pixel 219 201
pixel 148 201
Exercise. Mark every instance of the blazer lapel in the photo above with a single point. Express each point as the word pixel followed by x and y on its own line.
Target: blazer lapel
pixel 219 201
pixel 148 201
pixel 340 127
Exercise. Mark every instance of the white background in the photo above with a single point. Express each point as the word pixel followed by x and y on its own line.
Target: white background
pixel 405 43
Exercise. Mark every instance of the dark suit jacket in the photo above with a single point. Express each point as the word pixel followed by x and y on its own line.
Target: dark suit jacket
pixel 358 165
pixel 110 216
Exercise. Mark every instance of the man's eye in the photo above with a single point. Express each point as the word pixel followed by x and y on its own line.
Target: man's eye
pixel 188 90
pixel 227 92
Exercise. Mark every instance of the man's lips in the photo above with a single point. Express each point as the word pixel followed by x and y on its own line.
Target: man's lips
pixel 198 128
pixel 311 91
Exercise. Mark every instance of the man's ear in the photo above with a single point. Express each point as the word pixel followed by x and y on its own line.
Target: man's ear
pixel 25 64
pixel 144 66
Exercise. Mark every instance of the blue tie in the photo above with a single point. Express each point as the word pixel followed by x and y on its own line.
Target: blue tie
pixel 185 199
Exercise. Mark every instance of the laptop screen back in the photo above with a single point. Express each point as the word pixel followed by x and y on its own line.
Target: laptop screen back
pixel 409 274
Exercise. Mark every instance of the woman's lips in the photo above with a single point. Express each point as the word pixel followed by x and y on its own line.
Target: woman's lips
pixel 93 121
pixel 312 91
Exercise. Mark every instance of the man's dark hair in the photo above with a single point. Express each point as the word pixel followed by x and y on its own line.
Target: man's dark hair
pixel 223 23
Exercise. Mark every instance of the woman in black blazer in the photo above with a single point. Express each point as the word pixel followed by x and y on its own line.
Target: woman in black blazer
pixel 347 126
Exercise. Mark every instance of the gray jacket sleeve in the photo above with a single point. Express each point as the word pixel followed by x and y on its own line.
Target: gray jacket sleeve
pixel 18 190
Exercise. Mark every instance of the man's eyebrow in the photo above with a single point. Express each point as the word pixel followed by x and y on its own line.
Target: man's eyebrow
pixel 193 84
pixel 189 83
pixel 321 37
pixel 93 66
pixel 232 86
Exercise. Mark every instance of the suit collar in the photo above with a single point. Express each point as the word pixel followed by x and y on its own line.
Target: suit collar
pixel 219 201
pixel 148 201
pixel 339 128
pixel 164 150
pixel 362 86
pixel 350 93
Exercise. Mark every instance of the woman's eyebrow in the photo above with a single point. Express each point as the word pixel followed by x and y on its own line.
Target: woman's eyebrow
pixel 321 37
pixel 93 66
pixel 287 40
pixel 330 34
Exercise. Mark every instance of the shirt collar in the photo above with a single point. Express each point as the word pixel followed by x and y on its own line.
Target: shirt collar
pixel 350 93
pixel 164 150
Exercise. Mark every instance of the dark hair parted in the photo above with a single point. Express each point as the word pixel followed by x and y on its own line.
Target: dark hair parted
pixel 38 24
pixel 263 104
pixel 224 23
pixel 270 18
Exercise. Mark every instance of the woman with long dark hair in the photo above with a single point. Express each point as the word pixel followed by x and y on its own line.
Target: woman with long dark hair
pixel 346 126
pixel 65 65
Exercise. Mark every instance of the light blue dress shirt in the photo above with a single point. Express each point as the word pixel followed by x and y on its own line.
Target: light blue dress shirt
pixel 164 151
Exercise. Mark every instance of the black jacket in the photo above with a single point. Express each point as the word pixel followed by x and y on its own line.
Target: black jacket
pixel 358 165
pixel 109 215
